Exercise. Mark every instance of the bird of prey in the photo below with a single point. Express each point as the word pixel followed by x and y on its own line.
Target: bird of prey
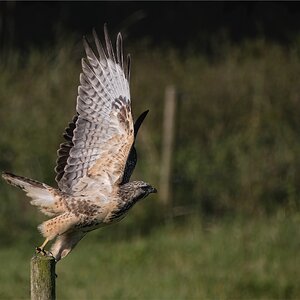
pixel 97 159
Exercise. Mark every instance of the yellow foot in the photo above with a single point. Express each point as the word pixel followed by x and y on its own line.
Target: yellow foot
pixel 40 250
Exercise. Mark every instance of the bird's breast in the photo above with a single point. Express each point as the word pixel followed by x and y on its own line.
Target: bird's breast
pixel 119 211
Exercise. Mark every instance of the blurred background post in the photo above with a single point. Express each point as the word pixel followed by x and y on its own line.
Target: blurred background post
pixel 165 188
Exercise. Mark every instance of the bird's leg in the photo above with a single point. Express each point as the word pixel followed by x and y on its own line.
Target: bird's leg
pixel 44 244
pixel 41 248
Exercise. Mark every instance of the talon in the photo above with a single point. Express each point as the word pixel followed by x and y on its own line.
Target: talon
pixel 40 250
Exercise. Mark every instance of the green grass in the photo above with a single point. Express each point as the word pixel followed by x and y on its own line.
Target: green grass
pixel 228 259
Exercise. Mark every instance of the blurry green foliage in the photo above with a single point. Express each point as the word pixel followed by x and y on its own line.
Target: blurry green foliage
pixel 237 145
pixel 242 258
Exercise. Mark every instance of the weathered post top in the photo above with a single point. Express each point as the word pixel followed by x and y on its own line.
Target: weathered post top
pixel 42 277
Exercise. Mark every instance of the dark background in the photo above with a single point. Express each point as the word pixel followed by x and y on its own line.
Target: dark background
pixel 174 23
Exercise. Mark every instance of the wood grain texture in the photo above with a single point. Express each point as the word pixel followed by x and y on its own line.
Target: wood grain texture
pixel 42 277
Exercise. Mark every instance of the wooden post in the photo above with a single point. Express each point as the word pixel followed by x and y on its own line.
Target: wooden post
pixel 167 145
pixel 42 277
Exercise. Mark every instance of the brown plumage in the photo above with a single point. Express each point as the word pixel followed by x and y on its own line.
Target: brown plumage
pixel 96 161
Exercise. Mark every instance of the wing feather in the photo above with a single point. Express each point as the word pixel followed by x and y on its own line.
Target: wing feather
pixel 119 47
pixel 109 46
pixel 99 138
pixel 132 157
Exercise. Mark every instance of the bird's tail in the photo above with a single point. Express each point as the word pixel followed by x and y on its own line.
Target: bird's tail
pixel 42 195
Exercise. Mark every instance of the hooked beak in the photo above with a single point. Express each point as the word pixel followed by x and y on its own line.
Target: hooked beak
pixel 153 190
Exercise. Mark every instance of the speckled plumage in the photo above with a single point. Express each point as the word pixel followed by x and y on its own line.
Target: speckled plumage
pixel 96 161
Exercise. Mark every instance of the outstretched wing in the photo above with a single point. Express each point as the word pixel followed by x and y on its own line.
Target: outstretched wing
pixel 132 157
pixel 99 138
pixel 64 149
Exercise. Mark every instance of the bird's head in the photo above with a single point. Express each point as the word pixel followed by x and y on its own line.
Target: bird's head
pixel 137 190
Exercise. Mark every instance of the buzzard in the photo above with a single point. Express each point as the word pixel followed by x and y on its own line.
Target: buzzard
pixel 95 162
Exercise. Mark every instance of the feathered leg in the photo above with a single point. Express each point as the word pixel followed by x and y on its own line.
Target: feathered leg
pixel 65 243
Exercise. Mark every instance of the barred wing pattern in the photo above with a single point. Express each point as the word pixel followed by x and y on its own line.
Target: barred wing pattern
pixel 100 137
pixel 64 149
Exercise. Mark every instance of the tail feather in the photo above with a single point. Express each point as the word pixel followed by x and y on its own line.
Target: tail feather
pixel 42 195
pixel 20 181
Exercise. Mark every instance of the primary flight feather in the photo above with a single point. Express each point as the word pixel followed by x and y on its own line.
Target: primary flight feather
pixel 95 163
